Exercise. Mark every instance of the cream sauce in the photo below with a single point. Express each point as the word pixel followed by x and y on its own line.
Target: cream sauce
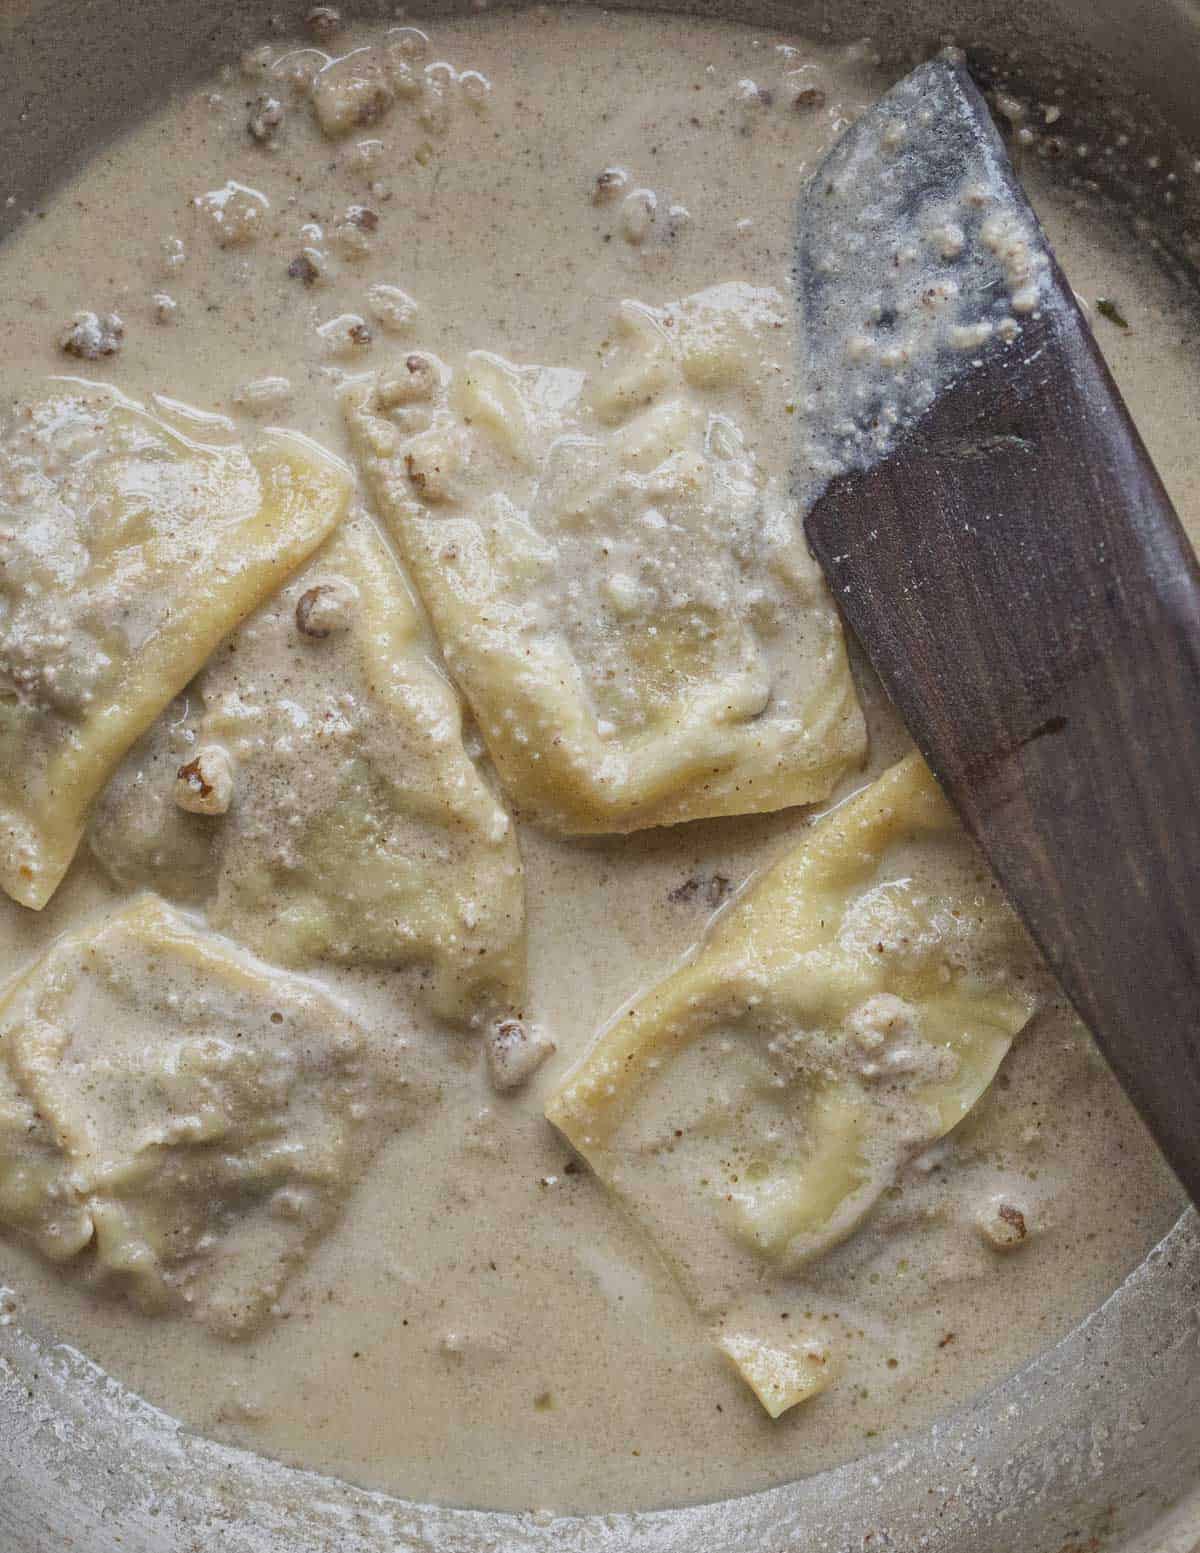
pixel 483 1326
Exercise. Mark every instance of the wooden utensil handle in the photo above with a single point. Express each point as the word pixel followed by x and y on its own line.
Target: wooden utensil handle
pixel 1040 633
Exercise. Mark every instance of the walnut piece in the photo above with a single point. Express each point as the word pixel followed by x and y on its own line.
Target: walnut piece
pixel 307 266
pixel 344 335
pixel 1003 1225
pixel 323 21
pixel 204 784
pixel 411 383
pixel 92 335
pixel 638 211
pixel 350 93
pixel 353 232
pixel 391 308
pixel 515 1051
pixel 266 116
pixel 325 608
pixel 235 214
pixel 611 182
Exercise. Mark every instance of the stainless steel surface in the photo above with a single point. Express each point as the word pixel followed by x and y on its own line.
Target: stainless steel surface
pixel 1078 1453
pixel 1096 1446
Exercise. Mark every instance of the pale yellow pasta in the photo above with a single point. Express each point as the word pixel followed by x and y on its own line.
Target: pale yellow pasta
pixel 360 831
pixel 373 839
pixel 781 1375
pixel 840 1017
pixel 180 1119
pixel 619 588
pixel 127 551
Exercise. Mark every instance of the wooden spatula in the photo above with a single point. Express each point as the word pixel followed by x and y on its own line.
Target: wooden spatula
pixel 997 537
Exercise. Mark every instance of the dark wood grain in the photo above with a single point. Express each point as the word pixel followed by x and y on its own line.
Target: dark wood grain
pixel 1018 578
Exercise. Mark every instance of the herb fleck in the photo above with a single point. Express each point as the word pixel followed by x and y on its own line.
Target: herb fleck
pixel 1107 308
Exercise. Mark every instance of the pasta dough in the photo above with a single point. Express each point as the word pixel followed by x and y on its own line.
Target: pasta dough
pixel 360 831
pixel 127 550
pixel 188 1117
pixel 779 1374
pixel 622 593
pixel 841 1016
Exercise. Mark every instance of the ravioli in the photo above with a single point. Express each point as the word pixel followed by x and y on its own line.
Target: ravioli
pixel 127 551
pixel 619 588
pixel 360 831
pixel 181 1119
pixel 842 1015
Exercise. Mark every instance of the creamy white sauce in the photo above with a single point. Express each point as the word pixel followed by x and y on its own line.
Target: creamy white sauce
pixel 483 1326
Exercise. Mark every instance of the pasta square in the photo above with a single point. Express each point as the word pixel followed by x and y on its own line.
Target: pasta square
pixel 190 1145
pixel 619 587
pixel 127 551
pixel 358 829
pixel 841 1016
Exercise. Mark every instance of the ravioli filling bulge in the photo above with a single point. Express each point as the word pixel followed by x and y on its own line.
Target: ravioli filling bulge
pixel 619 588
pixel 189 1145
pixel 751 1109
pixel 127 551
pixel 361 832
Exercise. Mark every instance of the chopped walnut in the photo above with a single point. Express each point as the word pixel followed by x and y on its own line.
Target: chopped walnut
pixel 1003 1225
pixel 808 99
pixel 411 383
pixel 325 608
pixel 611 182
pixel 352 233
pixel 204 784
pixel 310 266
pixel 92 335
pixel 234 213
pixel 350 93
pixel 433 462
pixel 638 211
pixel 752 96
pixel 515 1051
pixel 392 309
pixel 344 335
pixel 323 21
pixel 266 116
pixel 165 307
